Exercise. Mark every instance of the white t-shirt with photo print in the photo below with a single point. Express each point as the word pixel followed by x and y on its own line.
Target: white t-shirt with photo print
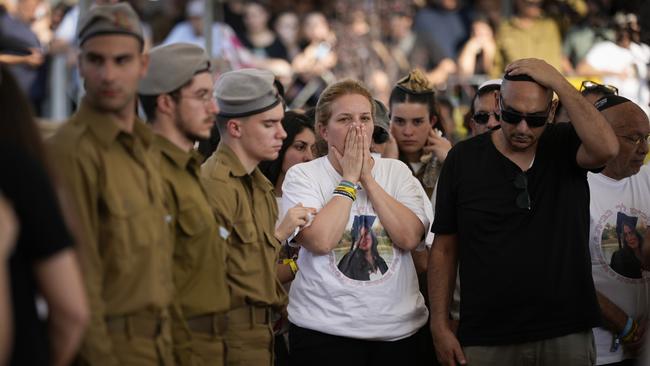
pixel 616 269
pixel 366 288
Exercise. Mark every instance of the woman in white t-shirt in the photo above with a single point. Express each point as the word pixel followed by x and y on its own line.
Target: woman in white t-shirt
pixel 355 300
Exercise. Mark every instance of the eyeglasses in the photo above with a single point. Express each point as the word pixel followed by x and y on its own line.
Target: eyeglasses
pixel 482 117
pixel 592 86
pixel 523 198
pixel 636 141
pixel 205 97
pixel 514 117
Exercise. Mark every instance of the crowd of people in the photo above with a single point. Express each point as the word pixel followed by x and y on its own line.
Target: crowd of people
pixel 178 220
pixel 458 44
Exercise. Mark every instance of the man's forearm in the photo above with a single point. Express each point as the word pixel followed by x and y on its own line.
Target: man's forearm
pixel 598 138
pixel 441 276
pixel 614 317
pixel 65 338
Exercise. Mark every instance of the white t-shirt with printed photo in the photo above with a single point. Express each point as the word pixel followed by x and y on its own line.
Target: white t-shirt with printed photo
pixel 620 214
pixel 366 288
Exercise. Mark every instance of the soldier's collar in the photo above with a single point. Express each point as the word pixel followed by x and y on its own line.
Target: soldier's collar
pixel 260 180
pixel 105 129
pixel 179 157
pixel 143 132
pixel 236 167
pixel 101 125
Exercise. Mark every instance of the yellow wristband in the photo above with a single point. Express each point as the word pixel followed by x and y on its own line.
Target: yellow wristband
pixel 292 264
pixel 346 189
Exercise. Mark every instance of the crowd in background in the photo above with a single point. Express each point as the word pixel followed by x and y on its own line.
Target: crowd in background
pixel 310 44
pixel 390 81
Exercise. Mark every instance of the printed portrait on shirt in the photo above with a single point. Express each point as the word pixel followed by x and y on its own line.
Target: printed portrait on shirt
pixel 365 251
pixel 622 245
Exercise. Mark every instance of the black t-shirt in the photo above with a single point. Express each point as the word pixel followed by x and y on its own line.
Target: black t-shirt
pixel 525 274
pixel 42 234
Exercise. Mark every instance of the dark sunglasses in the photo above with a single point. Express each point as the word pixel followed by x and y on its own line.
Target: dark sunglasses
pixel 605 89
pixel 513 117
pixel 482 117
pixel 523 198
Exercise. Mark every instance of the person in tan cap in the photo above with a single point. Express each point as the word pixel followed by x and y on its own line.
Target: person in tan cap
pixel 107 166
pixel 177 97
pixel 249 122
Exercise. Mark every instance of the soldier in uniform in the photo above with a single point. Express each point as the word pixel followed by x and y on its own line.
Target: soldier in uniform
pixel 250 112
pixel 106 163
pixel 177 97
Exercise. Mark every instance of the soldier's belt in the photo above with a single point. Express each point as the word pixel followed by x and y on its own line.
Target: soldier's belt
pixel 249 315
pixel 212 324
pixel 136 325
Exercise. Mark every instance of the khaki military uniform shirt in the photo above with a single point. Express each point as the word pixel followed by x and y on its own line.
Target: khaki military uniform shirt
pixel 246 209
pixel 543 40
pixel 111 179
pixel 199 258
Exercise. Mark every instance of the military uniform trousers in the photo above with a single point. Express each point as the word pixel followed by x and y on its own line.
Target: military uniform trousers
pixel 141 339
pixel 199 340
pixel 249 337
pixel 240 337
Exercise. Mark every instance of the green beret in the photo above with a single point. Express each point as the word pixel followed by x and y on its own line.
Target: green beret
pixel 172 66
pixel 117 18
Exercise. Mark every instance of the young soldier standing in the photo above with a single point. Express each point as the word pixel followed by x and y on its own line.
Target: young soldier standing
pixel 177 97
pixel 244 203
pixel 106 163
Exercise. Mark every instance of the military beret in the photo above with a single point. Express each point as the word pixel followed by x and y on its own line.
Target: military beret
pixel 172 66
pixel 246 92
pixel 117 18
pixel 380 117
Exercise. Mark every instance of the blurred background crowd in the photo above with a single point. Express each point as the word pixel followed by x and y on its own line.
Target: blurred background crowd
pixel 308 44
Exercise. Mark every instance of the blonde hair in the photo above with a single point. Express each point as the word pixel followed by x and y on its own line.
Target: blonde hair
pixel 334 92
pixel 324 107
pixel 415 82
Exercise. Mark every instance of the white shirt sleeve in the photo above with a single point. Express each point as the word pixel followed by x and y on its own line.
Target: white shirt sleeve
pixel 299 187
pixel 412 195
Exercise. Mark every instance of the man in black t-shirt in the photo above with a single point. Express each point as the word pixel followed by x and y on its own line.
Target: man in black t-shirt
pixel 512 209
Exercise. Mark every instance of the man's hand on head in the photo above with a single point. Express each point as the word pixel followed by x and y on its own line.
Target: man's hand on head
pixel 539 70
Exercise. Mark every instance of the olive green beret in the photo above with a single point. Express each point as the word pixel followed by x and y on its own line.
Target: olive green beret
pixel 246 92
pixel 117 18
pixel 172 66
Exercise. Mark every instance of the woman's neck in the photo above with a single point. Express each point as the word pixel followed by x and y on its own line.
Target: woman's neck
pixel 413 157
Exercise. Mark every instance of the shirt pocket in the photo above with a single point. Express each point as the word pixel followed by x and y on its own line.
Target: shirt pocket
pixel 191 221
pixel 130 230
pixel 244 249
pixel 193 242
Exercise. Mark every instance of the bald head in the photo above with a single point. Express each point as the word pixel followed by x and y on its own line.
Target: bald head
pixel 631 126
pixel 625 116
pixel 525 92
